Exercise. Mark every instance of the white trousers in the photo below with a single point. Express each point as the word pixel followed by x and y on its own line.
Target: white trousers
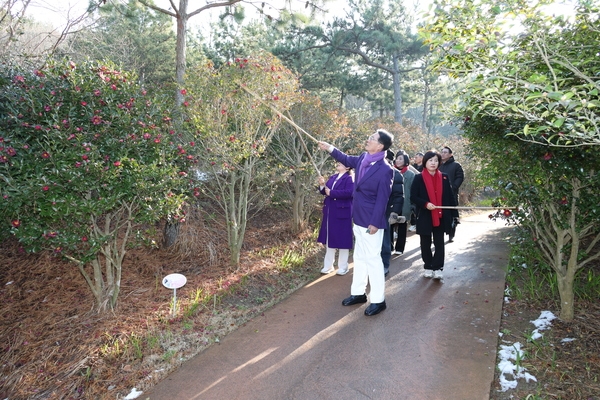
pixel 342 258
pixel 368 266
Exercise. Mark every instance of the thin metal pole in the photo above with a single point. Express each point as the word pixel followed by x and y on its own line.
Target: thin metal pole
pixel 475 208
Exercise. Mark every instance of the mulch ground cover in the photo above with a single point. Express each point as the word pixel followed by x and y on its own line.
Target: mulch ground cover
pixel 56 346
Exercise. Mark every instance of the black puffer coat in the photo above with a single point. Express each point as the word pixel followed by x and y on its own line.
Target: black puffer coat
pixel 396 201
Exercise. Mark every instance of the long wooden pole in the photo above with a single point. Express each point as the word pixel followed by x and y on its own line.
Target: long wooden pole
pixel 308 153
pixel 279 113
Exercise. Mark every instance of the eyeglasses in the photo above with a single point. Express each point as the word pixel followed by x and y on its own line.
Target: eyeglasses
pixel 373 138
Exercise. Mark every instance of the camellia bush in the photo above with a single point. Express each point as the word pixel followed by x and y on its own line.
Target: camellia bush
pixel 86 157
pixel 556 192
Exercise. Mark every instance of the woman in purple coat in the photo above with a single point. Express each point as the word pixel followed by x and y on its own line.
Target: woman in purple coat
pixel 336 226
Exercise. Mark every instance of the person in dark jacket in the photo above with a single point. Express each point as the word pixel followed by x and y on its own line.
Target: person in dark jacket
pixel 372 188
pixel 430 190
pixel 418 164
pixel 456 175
pixel 402 164
pixel 395 204
pixel 336 225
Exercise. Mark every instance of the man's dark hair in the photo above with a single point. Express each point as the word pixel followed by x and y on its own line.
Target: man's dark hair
pixel 447 148
pixel 385 138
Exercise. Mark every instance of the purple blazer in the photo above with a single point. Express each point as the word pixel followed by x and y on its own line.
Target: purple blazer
pixel 372 193
pixel 337 213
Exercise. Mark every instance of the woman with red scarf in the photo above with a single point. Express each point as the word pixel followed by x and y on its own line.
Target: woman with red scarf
pixel 430 190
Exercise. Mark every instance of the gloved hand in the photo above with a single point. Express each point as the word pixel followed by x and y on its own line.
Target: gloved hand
pixel 396 219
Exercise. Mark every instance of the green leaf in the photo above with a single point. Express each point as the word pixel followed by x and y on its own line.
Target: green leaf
pixel 558 122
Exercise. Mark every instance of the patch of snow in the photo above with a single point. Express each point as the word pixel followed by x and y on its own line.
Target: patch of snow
pixel 509 369
pixel 567 340
pixel 134 394
pixel 542 323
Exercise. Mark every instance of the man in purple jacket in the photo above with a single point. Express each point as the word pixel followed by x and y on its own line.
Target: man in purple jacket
pixel 372 189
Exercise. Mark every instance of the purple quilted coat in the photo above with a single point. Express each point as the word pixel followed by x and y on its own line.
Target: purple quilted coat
pixel 337 213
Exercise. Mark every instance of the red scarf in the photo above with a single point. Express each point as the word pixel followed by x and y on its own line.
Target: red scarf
pixel 403 170
pixel 433 184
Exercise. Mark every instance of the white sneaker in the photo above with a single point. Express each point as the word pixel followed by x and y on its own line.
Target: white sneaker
pixel 412 228
pixel 327 270
pixel 342 272
pixel 437 274
pixel 428 273
pixel 396 252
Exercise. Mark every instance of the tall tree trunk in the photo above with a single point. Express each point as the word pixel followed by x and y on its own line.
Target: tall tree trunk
pixel 180 64
pixel 397 92
pixel 425 102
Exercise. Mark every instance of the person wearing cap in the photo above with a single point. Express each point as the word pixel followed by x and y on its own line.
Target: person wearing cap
pixel 372 189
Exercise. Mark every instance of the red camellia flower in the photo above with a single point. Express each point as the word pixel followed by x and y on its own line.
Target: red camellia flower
pixel 183 92
pixel 547 156
pixel 186 104
pixel 37 127
pixel 564 200
pixel 83 103
pixel 96 120
pixel 275 97
pixel 232 138
pixel 84 239
pixel 16 223
pixel 117 163
pixel 113 86
pixel 507 213
pixel 85 157
pixel 45 155
pixel 45 188
pixel 19 78
pixel 223 111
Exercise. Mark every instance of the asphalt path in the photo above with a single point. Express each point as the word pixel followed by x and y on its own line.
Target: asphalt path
pixel 435 340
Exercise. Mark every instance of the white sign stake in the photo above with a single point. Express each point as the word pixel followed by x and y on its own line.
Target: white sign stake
pixel 174 281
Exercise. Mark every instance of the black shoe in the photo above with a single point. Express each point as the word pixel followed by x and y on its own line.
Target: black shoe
pixel 375 308
pixel 350 301
pixel 450 239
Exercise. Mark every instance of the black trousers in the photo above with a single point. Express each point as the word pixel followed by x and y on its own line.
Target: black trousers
pixel 433 260
pixel 401 241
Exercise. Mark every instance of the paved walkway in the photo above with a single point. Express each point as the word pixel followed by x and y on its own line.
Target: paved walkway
pixel 434 341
